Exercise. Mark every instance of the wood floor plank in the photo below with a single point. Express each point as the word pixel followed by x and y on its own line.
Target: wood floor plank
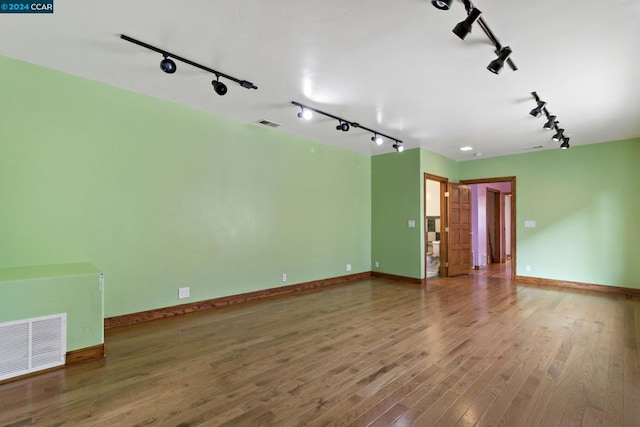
pixel 479 350
pixel 631 365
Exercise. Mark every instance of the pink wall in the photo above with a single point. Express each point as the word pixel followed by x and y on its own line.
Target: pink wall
pixel 479 218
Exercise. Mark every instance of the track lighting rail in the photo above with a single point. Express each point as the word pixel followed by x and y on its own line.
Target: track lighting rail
pixel 492 37
pixel 350 123
pixel 463 29
pixel 483 25
pixel 244 83
pixel 552 123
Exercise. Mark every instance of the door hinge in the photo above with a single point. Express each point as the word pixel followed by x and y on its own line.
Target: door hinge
pixel 446 229
pixel 446 264
pixel 446 194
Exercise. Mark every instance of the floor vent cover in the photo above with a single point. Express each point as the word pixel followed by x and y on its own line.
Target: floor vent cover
pixel 32 345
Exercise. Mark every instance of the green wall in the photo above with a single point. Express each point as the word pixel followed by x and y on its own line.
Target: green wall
pixel 397 195
pixel 158 195
pixel 586 207
pixel 395 199
pixel 435 164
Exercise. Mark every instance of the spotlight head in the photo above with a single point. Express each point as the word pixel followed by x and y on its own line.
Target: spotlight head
pixel 343 126
pixel 551 122
pixel 442 4
pixel 565 143
pixel 167 65
pixel 219 87
pixel 305 114
pixel 398 147
pixel 463 29
pixel 377 139
pixel 497 64
pixel 558 136
pixel 537 112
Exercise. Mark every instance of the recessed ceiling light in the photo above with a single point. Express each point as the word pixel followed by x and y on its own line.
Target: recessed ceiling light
pixel 467 148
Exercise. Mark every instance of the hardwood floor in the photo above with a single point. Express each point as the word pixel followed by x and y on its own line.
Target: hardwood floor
pixel 475 350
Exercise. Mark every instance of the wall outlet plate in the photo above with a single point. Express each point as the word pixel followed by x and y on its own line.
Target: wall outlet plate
pixel 184 292
pixel 348 267
pixel 284 277
pixel 377 264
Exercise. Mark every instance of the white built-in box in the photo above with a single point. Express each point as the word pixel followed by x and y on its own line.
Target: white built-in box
pixel 32 345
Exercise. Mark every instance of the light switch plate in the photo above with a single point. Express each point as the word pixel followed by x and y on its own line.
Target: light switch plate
pixel 529 223
pixel 411 223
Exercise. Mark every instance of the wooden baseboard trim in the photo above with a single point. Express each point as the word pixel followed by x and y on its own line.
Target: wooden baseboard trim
pixel 614 290
pixel 397 278
pixel 85 354
pixel 160 313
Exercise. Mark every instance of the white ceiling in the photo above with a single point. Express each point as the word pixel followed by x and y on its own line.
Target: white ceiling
pixel 393 66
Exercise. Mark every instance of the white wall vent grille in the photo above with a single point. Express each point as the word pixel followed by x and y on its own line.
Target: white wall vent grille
pixel 32 345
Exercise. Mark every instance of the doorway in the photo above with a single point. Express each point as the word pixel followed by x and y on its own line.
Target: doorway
pixel 435 188
pixel 501 247
pixel 447 225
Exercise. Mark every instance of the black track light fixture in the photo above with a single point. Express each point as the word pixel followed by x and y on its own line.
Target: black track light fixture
pixel 442 4
pixel 305 114
pixel 559 135
pixel 537 112
pixel 540 107
pixel 167 65
pixel 219 87
pixel 377 137
pixel 551 122
pixel 343 126
pixel 497 64
pixel 463 29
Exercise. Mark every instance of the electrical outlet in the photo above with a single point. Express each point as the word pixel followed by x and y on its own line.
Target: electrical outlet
pixel 377 264
pixel 348 267
pixel 184 292
pixel 527 268
pixel 284 277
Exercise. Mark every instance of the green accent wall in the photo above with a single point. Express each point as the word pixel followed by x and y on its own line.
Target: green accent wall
pixel 586 205
pixel 395 199
pixel 159 196
pixel 397 196
pixel 435 164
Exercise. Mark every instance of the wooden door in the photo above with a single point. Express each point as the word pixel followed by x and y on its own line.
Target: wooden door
pixel 495 253
pixel 459 229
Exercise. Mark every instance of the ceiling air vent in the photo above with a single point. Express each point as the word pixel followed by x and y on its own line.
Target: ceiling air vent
pixel 535 147
pixel 268 123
